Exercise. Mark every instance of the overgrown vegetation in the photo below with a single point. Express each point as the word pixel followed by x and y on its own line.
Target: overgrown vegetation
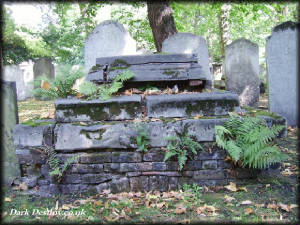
pixel 92 91
pixel 57 171
pixel 61 86
pixel 142 139
pixel 249 142
pixel 180 146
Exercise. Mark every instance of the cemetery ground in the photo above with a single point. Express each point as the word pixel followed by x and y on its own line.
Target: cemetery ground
pixel 266 199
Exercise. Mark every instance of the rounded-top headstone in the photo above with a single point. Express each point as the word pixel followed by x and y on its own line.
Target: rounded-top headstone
pixel 190 43
pixel 282 66
pixel 43 66
pixel 109 38
pixel 242 71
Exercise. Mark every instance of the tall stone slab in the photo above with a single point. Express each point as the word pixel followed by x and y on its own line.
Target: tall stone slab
pixel 43 66
pixel 22 74
pixel 282 65
pixel 11 168
pixel 109 38
pixel 242 71
pixel 190 43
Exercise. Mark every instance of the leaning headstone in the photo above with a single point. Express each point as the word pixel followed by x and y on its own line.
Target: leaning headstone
pixel 11 169
pixel 109 38
pixel 190 43
pixel 43 66
pixel 282 64
pixel 242 71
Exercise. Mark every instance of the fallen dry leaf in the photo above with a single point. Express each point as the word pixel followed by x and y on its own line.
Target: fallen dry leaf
pixel 242 189
pixel 287 172
pixel 180 209
pixel 128 92
pixel 185 221
pixel 292 206
pixel 7 199
pixel 56 205
pixel 260 205
pixel 231 187
pixel 45 85
pixel 23 186
pixel 200 209
pixel 248 211
pixel 198 116
pixel 246 202
pixel 228 198
pixel 268 185
pixel 284 207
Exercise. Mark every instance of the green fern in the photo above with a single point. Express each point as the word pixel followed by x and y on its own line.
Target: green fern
pixel 142 139
pixel 250 141
pixel 61 86
pixel 105 91
pixel 55 169
pixel 179 146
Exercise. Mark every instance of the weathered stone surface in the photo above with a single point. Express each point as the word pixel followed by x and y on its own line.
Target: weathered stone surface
pixel 95 178
pixel 99 157
pixel 133 174
pixel 133 167
pixel 64 157
pixel 183 105
pixel 209 174
pixel 241 173
pixel 25 136
pixel 190 43
pixel 162 173
pixel 71 179
pixel 54 189
pixel 28 156
pixel 111 167
pixel 126 157
pixel 116 108
pixel 30 181
pixel 173 183
pixel 33 170
pixel 109 38
pixel 210 165
pixel 159 183
pixel 283 70
pixel 42 182
pixel 101 187
pixel 154 156
pixel 8 121
pixel 166 67
pixel 242 71
pixel 192 165
pixel 45 171
pixel 159 166
pixel 86 168
pixel 223 164
pixel 139 183
pixel 215 154
pixel 211 182
pixel 120 185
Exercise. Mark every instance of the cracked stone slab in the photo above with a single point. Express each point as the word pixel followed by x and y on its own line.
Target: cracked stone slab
pixel 116 108
pixel 187 105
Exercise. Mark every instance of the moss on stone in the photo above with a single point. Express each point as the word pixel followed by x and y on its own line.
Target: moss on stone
pixel 95 68
pixel 33 123
pixel 171 73
pixel 101 131
pixel 259 112
pixel 118 64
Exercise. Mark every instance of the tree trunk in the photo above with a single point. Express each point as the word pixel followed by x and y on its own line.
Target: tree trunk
pixel 224 28
pixel 161 21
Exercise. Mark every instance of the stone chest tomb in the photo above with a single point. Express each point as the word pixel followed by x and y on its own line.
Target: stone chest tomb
pixel 103 134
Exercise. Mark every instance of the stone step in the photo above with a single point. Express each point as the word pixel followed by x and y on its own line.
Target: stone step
pixel 189 105
pixel 130 107
pixel 170 67
pixel 116 108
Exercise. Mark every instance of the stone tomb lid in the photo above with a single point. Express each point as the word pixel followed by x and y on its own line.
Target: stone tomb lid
pixel 156 67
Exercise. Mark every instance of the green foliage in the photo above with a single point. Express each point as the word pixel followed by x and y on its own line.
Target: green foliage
pixel 54 164
pixel 106 90
pixel 249 140
pixel 61 86
pixel 142 139
pixel 179 147
pixel 194 189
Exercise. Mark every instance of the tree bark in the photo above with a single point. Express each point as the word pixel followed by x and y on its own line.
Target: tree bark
pixel 224 28
pixel 161 21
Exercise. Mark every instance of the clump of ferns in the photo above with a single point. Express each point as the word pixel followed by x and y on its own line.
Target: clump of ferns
pixel 250 142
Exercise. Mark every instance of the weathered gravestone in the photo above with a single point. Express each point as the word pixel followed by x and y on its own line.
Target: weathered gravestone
pixel 109 38
pixel 190 43
pixel 242 71
pixel 282 65
pixel 43 66
pixel 19 74
pixel 8 121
